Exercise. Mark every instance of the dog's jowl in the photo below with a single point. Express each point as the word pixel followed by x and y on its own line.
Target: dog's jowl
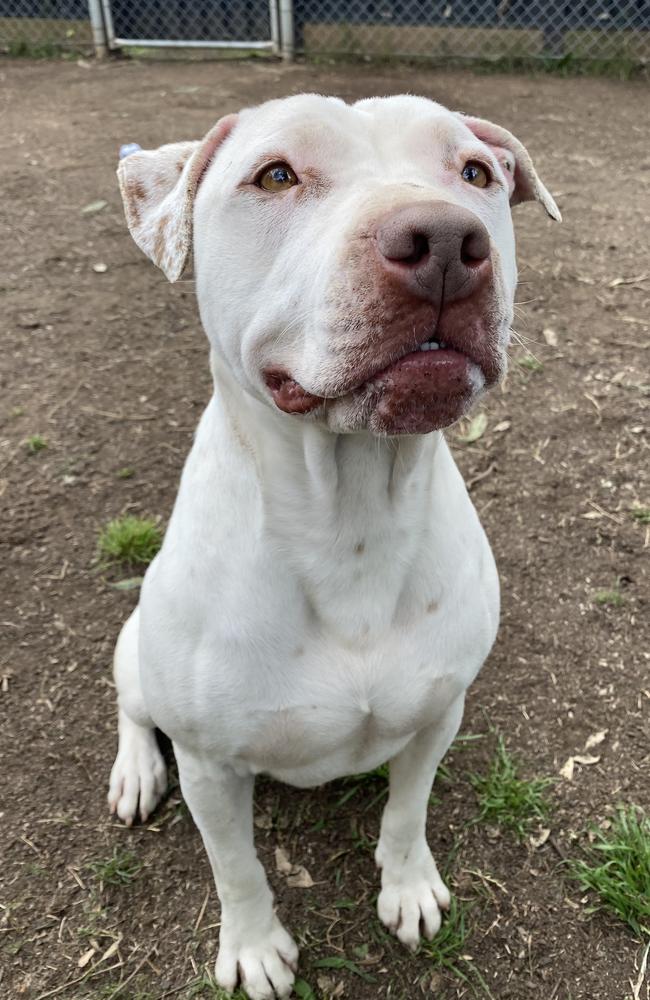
pixel 325 593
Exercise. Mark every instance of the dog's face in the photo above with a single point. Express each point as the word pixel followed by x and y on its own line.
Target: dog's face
pixel 354 264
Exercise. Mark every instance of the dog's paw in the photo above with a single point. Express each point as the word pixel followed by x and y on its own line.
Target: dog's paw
pixel 263 964
pixel 412 893
pixel 139 776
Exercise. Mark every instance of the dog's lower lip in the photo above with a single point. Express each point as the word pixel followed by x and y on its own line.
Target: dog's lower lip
pixel 442 354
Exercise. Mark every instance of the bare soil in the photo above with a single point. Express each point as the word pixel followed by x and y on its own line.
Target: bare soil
pixel 110 367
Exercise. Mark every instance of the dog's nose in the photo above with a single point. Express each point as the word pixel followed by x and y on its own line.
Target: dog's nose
pixel 435 249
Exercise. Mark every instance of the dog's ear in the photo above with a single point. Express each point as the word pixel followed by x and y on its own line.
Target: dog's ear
pixel 158 188
pixel 523 182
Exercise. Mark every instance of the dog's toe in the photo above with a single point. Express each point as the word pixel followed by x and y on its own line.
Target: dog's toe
pixel 264 967
pixel 138 778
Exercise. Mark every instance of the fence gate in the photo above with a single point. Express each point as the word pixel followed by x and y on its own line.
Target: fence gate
pixel 206 24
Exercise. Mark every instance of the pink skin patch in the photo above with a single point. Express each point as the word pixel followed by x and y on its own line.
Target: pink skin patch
pixel 288 395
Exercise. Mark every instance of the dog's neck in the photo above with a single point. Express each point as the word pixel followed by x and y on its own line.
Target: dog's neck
pixel 300 460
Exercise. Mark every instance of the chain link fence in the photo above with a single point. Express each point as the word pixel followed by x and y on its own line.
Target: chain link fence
pixel 604 30
pixel 476 29
pixel 43 27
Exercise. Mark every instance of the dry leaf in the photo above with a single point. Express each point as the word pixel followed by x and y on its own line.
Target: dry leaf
pixel 93 207
pixel 566 771
pixel 264 821
pixel 300 879
pixel 596 739
pixel 297 876
pixel 627 281
pixel 541 839
pixel 550 336
pixel 85 958
pixel 505 425
pixel 110 951
pixel 476 429
pixel 282 863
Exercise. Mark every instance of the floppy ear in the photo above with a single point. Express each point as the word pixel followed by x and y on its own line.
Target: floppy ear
pixel 158 188
pixel 523 182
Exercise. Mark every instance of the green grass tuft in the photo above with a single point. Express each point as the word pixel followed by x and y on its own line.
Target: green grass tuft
pixel 609 598
pixel 120 869
pixel 125 473
pixel 617 868
pixel 35 443
pixel 204 987
pixel 449 943
pixel 530 363
pixel 130 539
pixel 641 514
pixel 506 799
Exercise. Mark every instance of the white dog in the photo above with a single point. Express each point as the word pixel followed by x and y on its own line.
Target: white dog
pixel 325 592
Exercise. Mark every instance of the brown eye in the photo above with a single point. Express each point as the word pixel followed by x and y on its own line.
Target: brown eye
pixel 279 177
pixel 476 174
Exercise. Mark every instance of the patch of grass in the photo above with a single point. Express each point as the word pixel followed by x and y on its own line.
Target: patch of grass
pixel 446 951
pixel 530 364
pixel 125 473
pixel 506 799
pixel 449 943
pixel 35 870
pixel 617 868
pixel 609 598
pixel 130 539
pixel 620 67
pixel 120 869
pixel 641 514
pixel 114 990
pixel 205 987
pixel 370 779
pixel 339 962
pixel 303 990
pixel 23 48
pixel 35 443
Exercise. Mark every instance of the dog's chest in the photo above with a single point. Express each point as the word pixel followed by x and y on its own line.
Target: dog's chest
pixel 316 677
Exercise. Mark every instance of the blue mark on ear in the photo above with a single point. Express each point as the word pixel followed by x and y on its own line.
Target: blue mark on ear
pixel 128 148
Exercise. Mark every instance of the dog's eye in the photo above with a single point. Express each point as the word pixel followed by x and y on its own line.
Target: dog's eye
pixel 279 177
pixel 476 174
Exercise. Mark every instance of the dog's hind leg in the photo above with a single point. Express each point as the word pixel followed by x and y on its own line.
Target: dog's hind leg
pixel 139 777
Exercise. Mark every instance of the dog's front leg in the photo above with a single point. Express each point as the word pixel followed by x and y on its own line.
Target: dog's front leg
pixel 254 947
pixel 412 892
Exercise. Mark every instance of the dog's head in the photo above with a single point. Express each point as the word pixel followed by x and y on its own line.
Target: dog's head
pixel 354 263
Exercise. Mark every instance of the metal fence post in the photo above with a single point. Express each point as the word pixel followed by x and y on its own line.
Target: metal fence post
pixel 97 25
pixel 287 29
pixel 108 23
pixel 275 27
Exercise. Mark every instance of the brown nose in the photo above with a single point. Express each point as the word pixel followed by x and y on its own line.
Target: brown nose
pixel 435 250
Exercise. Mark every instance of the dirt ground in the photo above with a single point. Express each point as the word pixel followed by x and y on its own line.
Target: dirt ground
pixel 109 365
